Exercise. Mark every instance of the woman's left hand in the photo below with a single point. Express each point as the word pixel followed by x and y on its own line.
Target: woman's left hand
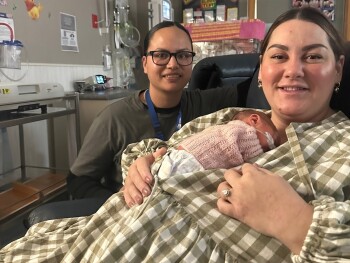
pixel 267 203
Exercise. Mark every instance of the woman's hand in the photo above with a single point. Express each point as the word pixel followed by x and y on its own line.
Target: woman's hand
pixel 266 203
pixel 139 179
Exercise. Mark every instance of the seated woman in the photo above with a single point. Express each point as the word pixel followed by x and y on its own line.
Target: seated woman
pixel 301 197
pixel 292 205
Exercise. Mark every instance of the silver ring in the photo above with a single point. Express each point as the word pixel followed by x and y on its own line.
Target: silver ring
pixel 226 192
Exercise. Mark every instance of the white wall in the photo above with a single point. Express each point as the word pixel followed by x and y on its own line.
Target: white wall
pixel 64 74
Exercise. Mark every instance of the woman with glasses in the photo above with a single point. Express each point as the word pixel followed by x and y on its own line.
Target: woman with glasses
pixel 155 111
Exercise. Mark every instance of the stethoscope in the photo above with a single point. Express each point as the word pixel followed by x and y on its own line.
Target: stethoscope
pixel 155 120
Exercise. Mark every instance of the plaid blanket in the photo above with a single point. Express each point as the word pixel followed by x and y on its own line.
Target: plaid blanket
pixel 179 222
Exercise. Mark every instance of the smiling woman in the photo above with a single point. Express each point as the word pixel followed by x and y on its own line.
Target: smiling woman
pixel 155 111
pixel 302 60
pixel 167 80
pixel 299 75
pixel 299 70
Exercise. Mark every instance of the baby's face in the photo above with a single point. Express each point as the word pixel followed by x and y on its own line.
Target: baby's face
pixel 265 130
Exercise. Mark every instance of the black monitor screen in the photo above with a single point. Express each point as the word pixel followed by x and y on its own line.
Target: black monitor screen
pixel 100 79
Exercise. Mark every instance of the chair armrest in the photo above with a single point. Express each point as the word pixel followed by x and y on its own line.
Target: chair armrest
pixel 63 209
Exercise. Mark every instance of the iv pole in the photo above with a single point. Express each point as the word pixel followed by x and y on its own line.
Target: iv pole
pixel 106 53
pixel 126 39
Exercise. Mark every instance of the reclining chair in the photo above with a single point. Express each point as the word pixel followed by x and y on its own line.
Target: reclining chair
pixel 238 71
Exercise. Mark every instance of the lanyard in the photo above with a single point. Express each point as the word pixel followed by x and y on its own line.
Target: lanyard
pixel 155 120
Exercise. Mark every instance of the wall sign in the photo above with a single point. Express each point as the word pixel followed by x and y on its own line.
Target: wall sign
pixel 69 41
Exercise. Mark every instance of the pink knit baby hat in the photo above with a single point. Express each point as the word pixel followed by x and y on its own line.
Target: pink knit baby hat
pixel 224 146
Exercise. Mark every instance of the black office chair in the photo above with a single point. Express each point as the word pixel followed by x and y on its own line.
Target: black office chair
pixel 63 209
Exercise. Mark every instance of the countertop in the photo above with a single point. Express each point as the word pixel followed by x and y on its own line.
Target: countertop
pixel 106 94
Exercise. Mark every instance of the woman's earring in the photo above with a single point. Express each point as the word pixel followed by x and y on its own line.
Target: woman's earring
pixel 336 87
pixel 260 84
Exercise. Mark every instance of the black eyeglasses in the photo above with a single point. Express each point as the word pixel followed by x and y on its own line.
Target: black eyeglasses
pixel 162 58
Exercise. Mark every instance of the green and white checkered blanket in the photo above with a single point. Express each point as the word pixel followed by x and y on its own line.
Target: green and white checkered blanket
pixel 179 222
